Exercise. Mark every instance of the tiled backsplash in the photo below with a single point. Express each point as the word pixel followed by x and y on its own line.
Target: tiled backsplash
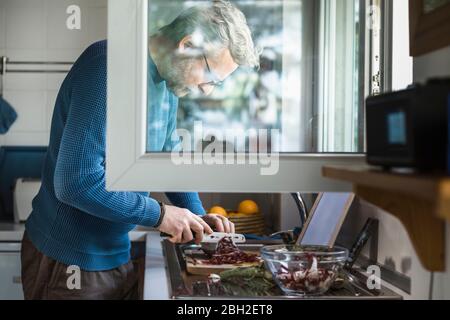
pixel 35 30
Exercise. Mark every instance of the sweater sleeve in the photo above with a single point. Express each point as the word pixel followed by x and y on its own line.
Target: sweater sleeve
pixel 79 178
pixel 188 200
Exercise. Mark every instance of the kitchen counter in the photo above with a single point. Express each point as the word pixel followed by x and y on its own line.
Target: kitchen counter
pixel 11 232
pixel 156 286
pixel 156 279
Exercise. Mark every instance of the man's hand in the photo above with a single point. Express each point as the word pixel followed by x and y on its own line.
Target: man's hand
pixel 180 223
pixel 219 223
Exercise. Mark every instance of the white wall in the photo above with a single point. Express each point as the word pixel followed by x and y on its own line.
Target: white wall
pixel 401 61
pixel 436 64
pixel 395 249
pixel 35 30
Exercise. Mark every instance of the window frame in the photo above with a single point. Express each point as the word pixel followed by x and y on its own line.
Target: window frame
pixel 129 167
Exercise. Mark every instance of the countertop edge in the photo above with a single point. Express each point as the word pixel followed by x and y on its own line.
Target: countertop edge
pixel 156 286
pixel 11 232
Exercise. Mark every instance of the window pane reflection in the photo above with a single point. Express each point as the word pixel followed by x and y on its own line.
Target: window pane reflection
pixel 305 96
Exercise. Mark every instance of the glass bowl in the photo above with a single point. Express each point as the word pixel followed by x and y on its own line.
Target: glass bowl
pixel 304 270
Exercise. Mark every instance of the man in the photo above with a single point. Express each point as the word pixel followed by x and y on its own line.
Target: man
pixel 75 221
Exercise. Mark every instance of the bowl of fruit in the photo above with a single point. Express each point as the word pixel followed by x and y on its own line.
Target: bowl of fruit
pixel 247 217
pixel 304 270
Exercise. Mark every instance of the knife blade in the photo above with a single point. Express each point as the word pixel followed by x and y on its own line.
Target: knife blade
pixel 215 237
pixel 210 241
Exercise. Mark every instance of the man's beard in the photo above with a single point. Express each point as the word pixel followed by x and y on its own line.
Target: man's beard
pixel 176 70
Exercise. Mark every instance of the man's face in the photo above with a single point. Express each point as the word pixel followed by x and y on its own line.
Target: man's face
pixel 185 74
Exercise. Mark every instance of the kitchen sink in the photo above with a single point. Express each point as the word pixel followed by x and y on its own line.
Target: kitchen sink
pixel 186 286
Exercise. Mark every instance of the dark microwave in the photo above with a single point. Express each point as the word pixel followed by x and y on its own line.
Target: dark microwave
pixel 410 128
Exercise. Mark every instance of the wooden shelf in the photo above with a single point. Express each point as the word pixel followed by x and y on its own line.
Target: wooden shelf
pixel 420 202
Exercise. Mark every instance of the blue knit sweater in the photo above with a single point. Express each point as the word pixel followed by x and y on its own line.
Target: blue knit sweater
pixel 75 220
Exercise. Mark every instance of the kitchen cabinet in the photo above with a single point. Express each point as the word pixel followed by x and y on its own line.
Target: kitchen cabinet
pixel 10 269
pixel 318 117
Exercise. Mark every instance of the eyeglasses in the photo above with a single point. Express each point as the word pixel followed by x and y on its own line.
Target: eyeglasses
pixel 213 83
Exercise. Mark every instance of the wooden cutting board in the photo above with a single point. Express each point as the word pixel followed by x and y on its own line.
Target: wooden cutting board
pixel 205 270
pixel 195 266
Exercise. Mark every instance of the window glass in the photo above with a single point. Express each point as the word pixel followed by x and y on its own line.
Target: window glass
pixel 306 95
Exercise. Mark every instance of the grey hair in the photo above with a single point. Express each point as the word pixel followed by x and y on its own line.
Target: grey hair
pixel 219 23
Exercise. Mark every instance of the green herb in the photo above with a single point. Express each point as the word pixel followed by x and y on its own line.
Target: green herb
pixel 249 282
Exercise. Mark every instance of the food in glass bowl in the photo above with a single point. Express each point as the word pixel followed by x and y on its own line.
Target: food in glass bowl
pixel 304 270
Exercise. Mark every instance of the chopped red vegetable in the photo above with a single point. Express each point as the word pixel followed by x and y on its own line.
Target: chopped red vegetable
pixel 310 278
pixel 228 253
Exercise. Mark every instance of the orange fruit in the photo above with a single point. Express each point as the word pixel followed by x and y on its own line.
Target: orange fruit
pixel 218 210
pixel 248 207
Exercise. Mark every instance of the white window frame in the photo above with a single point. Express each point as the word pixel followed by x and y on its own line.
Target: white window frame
pixel 130 167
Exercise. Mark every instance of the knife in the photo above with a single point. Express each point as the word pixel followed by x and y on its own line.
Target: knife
pixel 210 241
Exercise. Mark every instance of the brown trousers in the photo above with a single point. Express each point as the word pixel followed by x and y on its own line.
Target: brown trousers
pixel 46 279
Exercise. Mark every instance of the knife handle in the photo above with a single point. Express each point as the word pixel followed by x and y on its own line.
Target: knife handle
pixel 166 235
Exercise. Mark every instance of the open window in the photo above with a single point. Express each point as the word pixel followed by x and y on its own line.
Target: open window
pixel 270 129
